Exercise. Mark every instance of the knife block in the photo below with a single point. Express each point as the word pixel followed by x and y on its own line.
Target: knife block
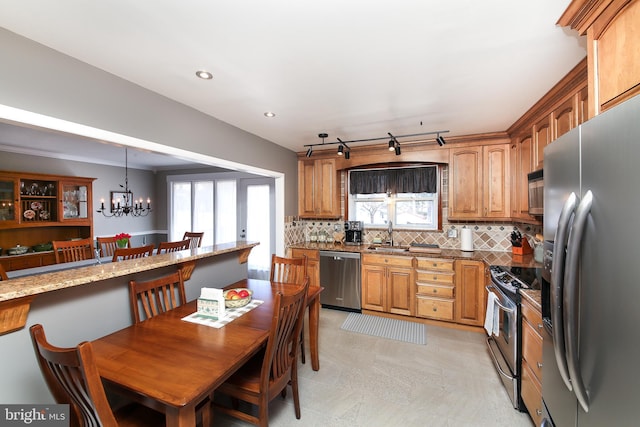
pixel 522 250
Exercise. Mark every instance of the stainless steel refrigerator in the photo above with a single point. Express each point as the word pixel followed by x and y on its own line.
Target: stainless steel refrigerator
pixel 591 308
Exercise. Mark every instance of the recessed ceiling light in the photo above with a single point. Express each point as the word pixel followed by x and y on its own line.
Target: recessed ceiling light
pixel 269 114
pixel 205 75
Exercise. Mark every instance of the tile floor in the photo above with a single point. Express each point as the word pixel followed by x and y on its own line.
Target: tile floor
pixel 369 382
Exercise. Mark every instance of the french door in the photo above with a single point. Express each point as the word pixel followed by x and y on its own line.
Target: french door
pixel 256 222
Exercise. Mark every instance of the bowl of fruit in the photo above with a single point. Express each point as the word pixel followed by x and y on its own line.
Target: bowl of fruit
pixel 238 297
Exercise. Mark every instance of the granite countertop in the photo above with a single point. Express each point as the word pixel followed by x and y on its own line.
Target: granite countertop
pixel 491 258
pixel 40 280
pixel 533 296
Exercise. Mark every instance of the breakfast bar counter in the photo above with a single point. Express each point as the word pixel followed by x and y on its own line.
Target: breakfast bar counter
pixel 17 293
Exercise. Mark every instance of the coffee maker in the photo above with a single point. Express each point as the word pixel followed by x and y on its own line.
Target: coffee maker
pixel 353 232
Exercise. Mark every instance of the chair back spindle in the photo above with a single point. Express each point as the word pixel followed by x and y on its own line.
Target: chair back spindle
pixel 194 237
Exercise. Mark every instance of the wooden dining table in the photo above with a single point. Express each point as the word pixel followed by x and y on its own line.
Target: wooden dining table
pixel 172 365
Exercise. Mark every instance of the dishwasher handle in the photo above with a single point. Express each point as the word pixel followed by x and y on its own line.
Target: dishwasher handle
pixel 338 256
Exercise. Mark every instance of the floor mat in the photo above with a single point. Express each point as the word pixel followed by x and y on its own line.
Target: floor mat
pixel 383 327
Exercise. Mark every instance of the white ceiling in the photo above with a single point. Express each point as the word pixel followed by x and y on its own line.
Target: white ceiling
pixel 354 69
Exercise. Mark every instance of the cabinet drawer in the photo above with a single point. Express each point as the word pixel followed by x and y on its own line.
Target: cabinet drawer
pixel 436 290
pixel 434 308
pixel 435 264
pixel 532 348
pixel 531 393
pixel 532 314
pixel 386 260
pixel 310 253
pixel 434 277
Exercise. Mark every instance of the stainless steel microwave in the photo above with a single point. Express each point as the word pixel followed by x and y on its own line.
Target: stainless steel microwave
pixel 536 193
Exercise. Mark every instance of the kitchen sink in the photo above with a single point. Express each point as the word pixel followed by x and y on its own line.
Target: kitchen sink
pixel 389 248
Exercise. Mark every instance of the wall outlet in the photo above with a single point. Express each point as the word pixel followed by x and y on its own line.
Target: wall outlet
pixel 452 233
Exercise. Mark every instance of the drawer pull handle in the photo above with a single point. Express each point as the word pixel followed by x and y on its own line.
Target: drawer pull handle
pixel 540 326
pixel 538 412
pixel 435 277
pixel 435 308
pixel 539 365
pixel 435 291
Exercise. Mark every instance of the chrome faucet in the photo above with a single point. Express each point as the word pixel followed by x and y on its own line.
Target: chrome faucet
pixel 390 231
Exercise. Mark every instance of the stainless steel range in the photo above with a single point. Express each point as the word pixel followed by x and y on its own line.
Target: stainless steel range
pixel 505 341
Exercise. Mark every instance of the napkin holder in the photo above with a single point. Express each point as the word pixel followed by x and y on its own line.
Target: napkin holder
pixel 211 303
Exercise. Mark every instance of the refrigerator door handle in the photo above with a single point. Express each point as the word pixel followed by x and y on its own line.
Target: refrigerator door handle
pixel 557 264
pixel 571 296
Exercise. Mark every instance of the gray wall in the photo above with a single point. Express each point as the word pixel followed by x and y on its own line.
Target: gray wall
pixel 40 80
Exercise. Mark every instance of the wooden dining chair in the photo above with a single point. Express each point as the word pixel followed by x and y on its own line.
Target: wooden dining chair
pixel 269 372
pixel 3 273
pixel 108 245
pixel 156 296
pixel 72 377
pixel 166 247
pixel 122 254
pixel 195 237
pixel 72 250
pixel 290 270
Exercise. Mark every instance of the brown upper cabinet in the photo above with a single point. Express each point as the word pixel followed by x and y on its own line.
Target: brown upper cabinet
pixel 318 189
pixel 479 182
pixel 522 155
pixel 542 138
pixel 613 53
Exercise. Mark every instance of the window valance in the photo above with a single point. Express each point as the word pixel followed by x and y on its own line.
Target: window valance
pixel 401 180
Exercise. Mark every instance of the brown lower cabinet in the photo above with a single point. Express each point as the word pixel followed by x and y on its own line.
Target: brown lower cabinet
pixel 531 392
pixel 387 284
pixel 313 263
pixel 436 289
pixel 471 301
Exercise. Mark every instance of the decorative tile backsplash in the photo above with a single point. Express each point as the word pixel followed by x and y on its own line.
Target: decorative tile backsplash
pixel 486 236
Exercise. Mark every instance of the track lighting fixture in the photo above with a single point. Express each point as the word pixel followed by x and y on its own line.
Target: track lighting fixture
pixel 394 144
pixel 343 149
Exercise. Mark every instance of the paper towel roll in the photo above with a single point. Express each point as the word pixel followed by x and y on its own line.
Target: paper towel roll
pixel 466 240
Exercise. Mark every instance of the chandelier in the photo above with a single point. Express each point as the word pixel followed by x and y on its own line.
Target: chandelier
pixel 123 203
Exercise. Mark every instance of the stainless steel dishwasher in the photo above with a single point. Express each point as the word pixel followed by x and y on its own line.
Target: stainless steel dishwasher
pixel 340 277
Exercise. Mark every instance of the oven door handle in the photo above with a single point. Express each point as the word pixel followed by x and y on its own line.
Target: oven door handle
pixel 497 302
pixel 495 360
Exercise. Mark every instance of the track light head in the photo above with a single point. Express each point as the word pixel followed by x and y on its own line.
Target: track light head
pixel 392 145
pixel 340 150
pixel 347 154
pixel 309 151
pixel 440 140
pixel 398 149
